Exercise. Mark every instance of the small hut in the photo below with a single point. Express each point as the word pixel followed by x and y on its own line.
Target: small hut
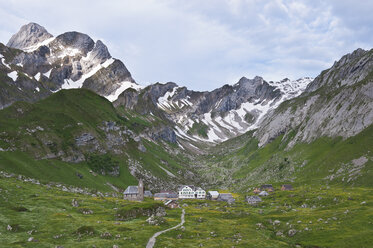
pixel 256 191
pixel 172 204
pixel 212 195
pixel 267 187
pixel 253 200
pixel 227 197
pixel 148 193
pixel 286 187
pixel 263 193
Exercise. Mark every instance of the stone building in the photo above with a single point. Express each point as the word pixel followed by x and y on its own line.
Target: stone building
pixel 134 193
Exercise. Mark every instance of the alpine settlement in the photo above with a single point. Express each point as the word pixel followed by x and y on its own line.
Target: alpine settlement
pixel 137 193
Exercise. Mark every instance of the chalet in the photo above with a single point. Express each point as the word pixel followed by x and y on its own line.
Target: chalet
pixel 134 193
pixel 253 200
pixel 286 187
pixel 256 191
pixel 187 192
pixel 267 187
pixel 147 193
pixel 263 193
pixel 227 197
pixel 172 204
pixel 199 193
pixel 213 195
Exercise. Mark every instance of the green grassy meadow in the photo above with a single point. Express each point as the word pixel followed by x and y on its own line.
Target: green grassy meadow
pixel 322 217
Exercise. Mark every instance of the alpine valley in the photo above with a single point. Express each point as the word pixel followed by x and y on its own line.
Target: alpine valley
pixel 74 124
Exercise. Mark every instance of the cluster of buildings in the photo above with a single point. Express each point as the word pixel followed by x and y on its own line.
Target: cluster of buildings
pixel 263 191
pixel 137 193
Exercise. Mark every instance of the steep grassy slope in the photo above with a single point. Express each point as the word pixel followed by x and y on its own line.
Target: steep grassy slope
pixel 325 160
pixel 55 138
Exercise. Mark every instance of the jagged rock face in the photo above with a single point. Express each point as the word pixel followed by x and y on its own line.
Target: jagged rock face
pixel 166 134
pixel 351 68
pixel 128 98
pixel 212 116
pixel 339 102
pixel 28 36
pixel 73 40
pixel 70 60
pixel 107 80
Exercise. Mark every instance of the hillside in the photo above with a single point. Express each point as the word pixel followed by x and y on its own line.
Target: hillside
pixel 323 136
pixel 75 131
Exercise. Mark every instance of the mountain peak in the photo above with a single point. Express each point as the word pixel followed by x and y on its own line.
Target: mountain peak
pixel 29 35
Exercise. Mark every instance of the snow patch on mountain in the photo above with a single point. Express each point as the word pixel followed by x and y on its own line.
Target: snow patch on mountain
pixel 290 88
pixel 3 61
pixel 222 126
pixel 70 84
pixel 48 73
pixel 13 75
pixel 164 102
pixel 68 51
pixel 37 76
pixel 124 85
pixel 36 46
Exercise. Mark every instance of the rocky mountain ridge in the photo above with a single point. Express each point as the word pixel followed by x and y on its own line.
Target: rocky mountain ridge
pixel 213 116
pixel 35 64
pixel 339 102
pixel 34 61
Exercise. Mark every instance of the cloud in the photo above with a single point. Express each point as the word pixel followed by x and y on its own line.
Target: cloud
pixel 205 44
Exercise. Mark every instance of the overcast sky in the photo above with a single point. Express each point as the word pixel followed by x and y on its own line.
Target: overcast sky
pixel 203 44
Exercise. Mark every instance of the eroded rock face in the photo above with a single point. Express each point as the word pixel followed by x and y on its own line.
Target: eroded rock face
pixel 339 102
pixel 221 114
pixel 166 134
pixel 73 40
pixel 28 36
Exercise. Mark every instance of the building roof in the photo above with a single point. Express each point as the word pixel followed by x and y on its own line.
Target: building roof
pixel 263 193
pixel 214 193
pixel 287 186
pixel 227 197
pixel 253 198
pixel 169 202
pixel 161 195
pixel 190 186
pixel 199 188
pixel 172 195
pixel 148 193
pixel 131 190
pixel 266 186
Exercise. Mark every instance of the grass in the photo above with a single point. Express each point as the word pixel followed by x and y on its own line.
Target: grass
pixel 334 216
pixel 51 219
pixel 199 129
pixel 53 170
pixel 241 163
pixel 32 133
pixel 216 224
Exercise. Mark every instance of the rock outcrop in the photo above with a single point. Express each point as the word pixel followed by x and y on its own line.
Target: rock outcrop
pixel 339 102
pixel 28 36
pixel 48 64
